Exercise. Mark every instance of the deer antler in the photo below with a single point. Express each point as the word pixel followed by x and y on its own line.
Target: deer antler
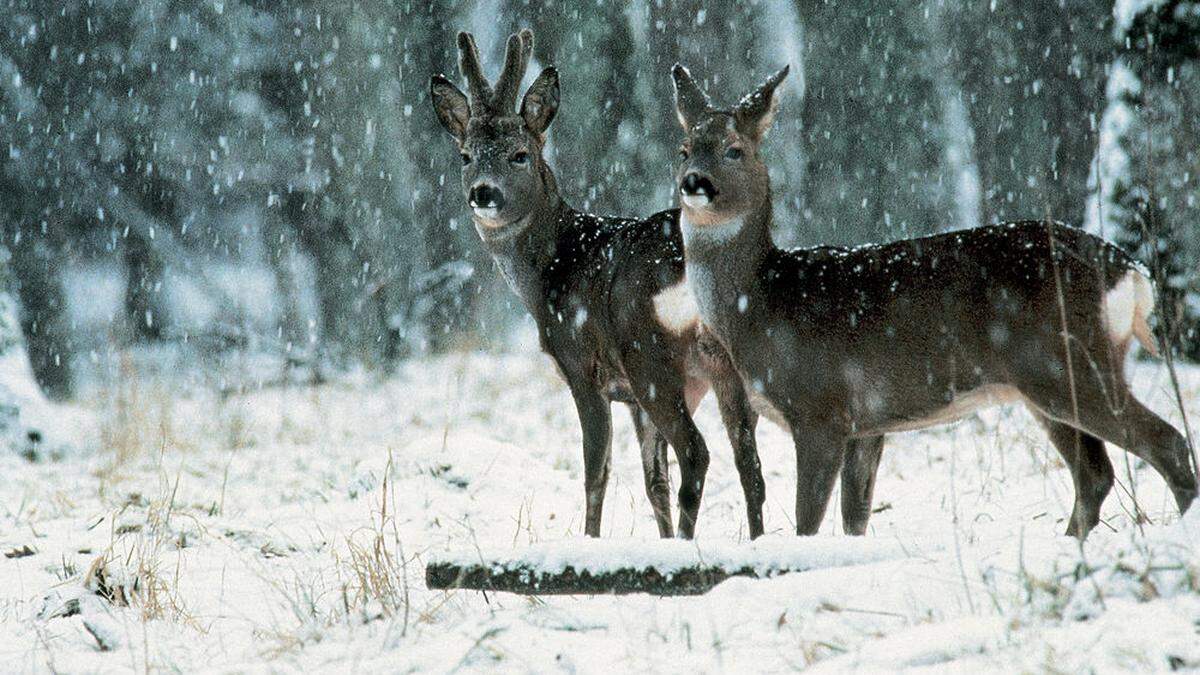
pixel 503 99
pixel 468 64
pixel 516 60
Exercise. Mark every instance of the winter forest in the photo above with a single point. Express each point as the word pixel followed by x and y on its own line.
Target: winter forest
pixel 234 246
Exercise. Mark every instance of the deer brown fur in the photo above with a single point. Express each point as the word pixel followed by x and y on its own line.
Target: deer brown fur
pixel 845 345
pixel 602 290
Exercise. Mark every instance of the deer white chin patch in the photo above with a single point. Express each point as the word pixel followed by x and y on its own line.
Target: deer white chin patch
pixel 487 214
pixel 696 201
pixel 675 308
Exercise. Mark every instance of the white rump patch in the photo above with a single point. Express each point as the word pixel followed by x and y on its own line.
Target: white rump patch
pixel 1127 308
pixel 1120 307
pixel 675 308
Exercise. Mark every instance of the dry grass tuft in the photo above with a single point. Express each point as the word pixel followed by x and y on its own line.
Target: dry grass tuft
pixel 377 569
pixel 137 580
pixel 132 571
pixel 140 422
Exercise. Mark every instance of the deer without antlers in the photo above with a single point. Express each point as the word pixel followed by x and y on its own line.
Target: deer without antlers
pixel 605 292
pixel 842 346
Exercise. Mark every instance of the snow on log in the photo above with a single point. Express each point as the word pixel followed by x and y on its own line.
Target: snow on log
pixel 659 567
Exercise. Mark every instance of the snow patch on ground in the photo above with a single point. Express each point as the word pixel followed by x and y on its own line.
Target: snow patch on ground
pixel 30 424
pixel 289 529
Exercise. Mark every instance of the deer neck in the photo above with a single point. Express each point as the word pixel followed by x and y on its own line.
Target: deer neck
pixel 524 255
pixel 723 261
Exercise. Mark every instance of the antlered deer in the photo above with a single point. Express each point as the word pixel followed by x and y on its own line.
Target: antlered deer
pixel 845 345
pixel 605 292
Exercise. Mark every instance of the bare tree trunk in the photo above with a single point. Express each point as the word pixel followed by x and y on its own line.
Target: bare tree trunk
pixel 957 138
pixel 346 324
pixel 43 317
pixel 875 169
pixel 26 417
pixel 694 580
pixel 283 254
pixel 146 314
pixel 1033 75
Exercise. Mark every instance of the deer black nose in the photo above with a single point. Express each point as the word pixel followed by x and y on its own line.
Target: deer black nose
pixel 697 185
pixel 486 197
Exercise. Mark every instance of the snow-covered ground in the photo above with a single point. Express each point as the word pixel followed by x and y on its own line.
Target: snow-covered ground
pixel 286 530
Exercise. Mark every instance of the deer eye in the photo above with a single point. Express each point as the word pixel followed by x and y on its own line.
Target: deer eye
pixel 466 159
pixel 683 154
pixel 734 153
pixel 520 158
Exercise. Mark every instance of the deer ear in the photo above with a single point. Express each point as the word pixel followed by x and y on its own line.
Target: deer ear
pixel 690 102
pixel 451 106
pixel 755 112
pixel 541 101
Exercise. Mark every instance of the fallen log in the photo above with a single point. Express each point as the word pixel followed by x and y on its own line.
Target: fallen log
pixel 529 581
pixel 665 568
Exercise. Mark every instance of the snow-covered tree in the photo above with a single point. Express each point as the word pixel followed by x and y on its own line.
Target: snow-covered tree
pixel 132 132
pixel 1144 178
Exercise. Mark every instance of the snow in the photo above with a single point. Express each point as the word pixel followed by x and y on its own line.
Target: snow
pixel 288 529
pixel 1112 165
pixel 1125 11
pixel 767 556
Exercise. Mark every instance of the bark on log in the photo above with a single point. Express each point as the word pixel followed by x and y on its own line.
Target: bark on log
pixel 694 580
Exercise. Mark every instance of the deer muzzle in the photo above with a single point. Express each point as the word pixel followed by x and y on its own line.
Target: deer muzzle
pixel 696 190
pixel 486 201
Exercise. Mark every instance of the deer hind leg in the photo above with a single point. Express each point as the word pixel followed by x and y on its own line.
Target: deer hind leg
pixel 662 389
pixel 1125 423
pixel 1091 471
pixel 858 482
pixel 668 411
pixel 740 422
pixel 653 446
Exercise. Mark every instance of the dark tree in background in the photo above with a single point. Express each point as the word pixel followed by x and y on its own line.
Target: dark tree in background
pixel 871 114
pixel 268 177
pixel 380 210
pixel 39 290
pixel 438 299
pixel 120 125
pixel 1033 74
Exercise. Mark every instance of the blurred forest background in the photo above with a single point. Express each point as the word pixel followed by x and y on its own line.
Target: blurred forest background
pixel 222 178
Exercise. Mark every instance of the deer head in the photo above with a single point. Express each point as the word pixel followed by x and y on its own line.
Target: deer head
pixel 504 177
pixel 721 176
